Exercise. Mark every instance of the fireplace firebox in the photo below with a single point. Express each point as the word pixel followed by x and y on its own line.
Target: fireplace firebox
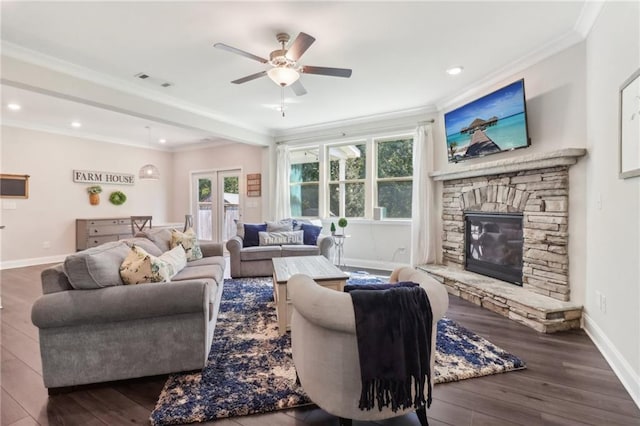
pixel 494 244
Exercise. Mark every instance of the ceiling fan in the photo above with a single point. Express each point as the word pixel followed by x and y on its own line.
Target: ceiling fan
pixel 285 69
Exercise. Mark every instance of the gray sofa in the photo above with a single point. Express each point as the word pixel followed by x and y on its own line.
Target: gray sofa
pixel 256 261
pixel 93 328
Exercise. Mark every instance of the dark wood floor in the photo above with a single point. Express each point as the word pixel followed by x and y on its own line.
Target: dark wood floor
pixel 567 381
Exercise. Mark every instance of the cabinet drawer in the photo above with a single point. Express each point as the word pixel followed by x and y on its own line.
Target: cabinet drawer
pixel 96 241
pixel 107 222
pixel 108 230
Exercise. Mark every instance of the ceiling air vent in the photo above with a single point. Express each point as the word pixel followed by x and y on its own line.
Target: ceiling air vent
pixel 153 80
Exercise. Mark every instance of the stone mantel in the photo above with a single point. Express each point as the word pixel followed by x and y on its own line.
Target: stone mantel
pixel 561 157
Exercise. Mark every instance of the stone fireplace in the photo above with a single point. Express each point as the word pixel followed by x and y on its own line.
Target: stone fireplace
pixel 508 220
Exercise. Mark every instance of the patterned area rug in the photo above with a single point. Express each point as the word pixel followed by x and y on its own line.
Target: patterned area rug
pixel 250 369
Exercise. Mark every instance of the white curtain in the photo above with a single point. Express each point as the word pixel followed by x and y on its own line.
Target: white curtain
pixel 283 165
pixel 423 212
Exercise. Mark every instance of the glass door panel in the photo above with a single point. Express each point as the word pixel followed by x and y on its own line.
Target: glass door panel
pixel 204 207
pixel 231 190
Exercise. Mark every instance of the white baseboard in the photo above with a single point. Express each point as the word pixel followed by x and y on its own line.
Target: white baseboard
pixel 372 264
pixel 21 263
pixel 629 378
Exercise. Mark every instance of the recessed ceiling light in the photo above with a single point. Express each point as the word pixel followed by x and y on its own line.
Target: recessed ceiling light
pixel 76 124
pixel 14 107
pixel 455 70
pixel 162 140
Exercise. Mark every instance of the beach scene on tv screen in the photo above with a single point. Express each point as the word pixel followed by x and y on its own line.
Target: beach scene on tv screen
pixel 491 124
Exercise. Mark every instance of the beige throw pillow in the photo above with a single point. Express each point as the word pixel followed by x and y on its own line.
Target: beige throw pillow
pixel 141 267
pixel 189 241
pixel 176 257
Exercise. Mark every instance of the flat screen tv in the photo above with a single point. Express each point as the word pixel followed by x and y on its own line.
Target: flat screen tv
pixel 494 123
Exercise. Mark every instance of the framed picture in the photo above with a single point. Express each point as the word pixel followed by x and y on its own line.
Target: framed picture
pixel 254 185
pixel 630 127
pixel 14 186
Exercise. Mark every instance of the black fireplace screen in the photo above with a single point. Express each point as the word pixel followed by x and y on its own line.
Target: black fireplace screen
pixel 494 245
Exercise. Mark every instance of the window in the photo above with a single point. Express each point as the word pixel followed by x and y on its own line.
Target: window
pixel 394 179
pixel 304 182
pixel 347 175
pixel 349 179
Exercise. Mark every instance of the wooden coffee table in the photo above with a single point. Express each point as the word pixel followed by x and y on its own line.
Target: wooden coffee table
pixel 317 267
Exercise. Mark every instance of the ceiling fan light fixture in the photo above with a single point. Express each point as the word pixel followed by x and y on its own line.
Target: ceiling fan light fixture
pixel 283 76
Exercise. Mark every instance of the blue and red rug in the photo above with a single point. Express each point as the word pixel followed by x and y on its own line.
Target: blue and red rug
pixel 250 369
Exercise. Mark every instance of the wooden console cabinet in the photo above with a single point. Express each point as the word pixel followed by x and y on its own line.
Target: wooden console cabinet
pixel 93 232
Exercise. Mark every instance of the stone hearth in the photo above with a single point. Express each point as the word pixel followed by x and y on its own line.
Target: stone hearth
pixel 537 186
pixel 539 312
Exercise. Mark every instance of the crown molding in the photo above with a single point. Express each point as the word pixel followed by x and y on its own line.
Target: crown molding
pixel 561 43
pixel 78 134
pixel 588 16
pixel 33 57
pixel 205 145
pixel 401 118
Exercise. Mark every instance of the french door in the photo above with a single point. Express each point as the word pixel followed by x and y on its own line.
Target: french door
pixel 216 203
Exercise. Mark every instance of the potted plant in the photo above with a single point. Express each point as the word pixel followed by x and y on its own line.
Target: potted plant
pixel 342 223
pixel 333 228
pixel 94 194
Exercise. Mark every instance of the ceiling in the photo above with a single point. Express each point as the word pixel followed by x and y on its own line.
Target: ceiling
pixel 398 51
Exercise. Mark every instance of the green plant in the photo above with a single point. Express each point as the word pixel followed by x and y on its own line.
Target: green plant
pixel 96 189
pixel 333 227
pixel 117 198
pixel 342 223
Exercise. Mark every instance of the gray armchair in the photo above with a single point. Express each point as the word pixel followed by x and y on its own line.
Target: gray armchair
pixel 325 348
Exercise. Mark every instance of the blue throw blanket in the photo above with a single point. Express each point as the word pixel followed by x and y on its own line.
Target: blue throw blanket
pixel 393 327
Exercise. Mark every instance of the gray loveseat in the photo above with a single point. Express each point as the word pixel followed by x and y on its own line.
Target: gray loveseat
pixel 255 260
pixel 93 328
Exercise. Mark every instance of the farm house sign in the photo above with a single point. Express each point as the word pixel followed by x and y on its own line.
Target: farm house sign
pixel 108 178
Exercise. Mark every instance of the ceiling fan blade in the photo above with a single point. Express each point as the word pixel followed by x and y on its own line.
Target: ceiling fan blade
pixel 333 72
pixel 240 52
pixel 298 88
pixel 299 46
pixel 250 77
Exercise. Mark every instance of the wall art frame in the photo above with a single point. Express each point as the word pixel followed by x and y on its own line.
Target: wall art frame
pixel 629 127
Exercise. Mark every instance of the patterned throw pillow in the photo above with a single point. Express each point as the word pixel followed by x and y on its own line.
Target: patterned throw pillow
pixel 280 238
pixel 176 257
pixel 189 242
pixel 141 267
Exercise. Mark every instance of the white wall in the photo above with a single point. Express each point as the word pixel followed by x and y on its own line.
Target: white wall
pixel 233 156
pixel 375 244
pixel 556 98
pixel 613 248
pixel 55 201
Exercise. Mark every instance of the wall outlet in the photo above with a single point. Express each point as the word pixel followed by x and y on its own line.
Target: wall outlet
pixel 46 245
